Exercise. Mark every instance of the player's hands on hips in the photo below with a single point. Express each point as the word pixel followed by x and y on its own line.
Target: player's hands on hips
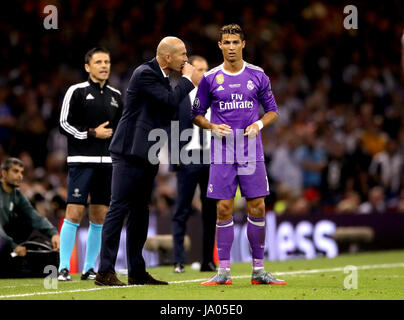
pixel 55 242
pixel 221 130
pixel 187 70
pixel 103 133
pixel 252 131
pixel 21 251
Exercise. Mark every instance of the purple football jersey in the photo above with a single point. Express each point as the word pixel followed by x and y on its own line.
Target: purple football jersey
pixel 234 99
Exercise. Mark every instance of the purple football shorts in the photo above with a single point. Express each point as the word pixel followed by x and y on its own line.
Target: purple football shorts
pixel 225 177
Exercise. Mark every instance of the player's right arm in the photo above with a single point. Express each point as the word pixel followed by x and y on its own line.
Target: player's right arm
pixel 201 105
pixel 68 115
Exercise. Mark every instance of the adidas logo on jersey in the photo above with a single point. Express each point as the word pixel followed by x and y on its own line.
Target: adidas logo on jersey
pixel 220 88
pixel 89 97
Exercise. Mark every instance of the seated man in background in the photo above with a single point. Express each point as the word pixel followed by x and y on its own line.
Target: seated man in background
pixel 17 219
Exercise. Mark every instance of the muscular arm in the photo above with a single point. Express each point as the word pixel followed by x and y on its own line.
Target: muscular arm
pixel 268 119
pixel 220 130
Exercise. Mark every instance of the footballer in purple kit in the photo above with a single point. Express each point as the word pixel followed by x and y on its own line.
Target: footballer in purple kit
pixel 234 90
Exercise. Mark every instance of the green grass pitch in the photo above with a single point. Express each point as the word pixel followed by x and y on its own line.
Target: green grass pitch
pixel 380 275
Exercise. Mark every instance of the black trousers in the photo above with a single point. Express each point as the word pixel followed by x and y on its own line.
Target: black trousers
pixel 188 177
pixel 132 185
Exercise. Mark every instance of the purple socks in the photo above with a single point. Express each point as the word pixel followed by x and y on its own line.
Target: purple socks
pixel 224 241
pixel 256 236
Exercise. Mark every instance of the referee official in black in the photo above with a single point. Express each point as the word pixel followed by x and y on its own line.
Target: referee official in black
pixel 89 116
pixel 151 104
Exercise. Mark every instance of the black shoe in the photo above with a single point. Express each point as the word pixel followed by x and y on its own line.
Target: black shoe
pixel 210 266
pixel 89 275
pixel 179 268
pixel 146 279
pixel 108 279
pixel 64 275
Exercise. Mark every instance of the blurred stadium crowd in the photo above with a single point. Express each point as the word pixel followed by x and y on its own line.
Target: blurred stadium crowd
pixel 337 146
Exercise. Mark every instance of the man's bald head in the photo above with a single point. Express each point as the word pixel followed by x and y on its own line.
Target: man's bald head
pixel 168 45
pixel 171 54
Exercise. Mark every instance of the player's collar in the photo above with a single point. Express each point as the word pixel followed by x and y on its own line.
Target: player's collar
pixel 230 73
pixel 162 71
pixel 97 84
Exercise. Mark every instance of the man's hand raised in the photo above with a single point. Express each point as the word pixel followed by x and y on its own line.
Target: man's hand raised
pixel 187 70
pixel 103 133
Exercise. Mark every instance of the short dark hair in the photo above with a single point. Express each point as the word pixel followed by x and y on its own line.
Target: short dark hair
pixel 8 163
pixel 91 52
pixel 193 58
pixel 232 29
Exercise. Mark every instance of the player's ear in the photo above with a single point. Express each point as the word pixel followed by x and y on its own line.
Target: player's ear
pixel 87 67
pixel 219 43
pixel 168 57
pixel 243 44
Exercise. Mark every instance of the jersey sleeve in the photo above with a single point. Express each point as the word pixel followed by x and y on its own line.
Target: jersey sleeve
pixel 202 100
pixel 266 96
pixel 70 112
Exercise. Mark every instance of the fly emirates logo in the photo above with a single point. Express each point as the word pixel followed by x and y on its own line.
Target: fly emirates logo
pixel 236 102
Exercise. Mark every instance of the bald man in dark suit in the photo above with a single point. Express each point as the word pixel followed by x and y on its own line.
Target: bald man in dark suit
pixel 151 103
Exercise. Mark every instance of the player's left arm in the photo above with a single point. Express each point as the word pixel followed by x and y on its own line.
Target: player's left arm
pixel 267 100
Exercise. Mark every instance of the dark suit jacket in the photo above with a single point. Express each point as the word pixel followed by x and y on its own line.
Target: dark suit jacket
pixel 184 117
pixel 150 103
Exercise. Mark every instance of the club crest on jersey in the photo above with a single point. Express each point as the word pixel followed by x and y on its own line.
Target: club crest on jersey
pixel 219 78
pixel 250 85
pixel 197 103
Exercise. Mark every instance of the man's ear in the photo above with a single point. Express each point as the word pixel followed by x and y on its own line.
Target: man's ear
pixel 3 173
pixel 243 43
pixel 87 67
pixel 219 43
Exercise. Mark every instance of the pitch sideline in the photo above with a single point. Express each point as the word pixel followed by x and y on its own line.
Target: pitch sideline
pixel 364 267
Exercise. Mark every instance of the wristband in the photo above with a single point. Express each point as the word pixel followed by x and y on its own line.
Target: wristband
pixel 260 124
pixel 91 132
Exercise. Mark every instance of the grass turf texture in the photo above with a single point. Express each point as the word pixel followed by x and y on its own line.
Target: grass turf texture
pixel 380 276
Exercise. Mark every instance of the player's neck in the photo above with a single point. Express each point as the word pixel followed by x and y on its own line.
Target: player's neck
pixel 233 67
pixel 95 80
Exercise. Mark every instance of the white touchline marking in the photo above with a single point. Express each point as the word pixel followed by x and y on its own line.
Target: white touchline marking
pixel 39 284
pixel 364 267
